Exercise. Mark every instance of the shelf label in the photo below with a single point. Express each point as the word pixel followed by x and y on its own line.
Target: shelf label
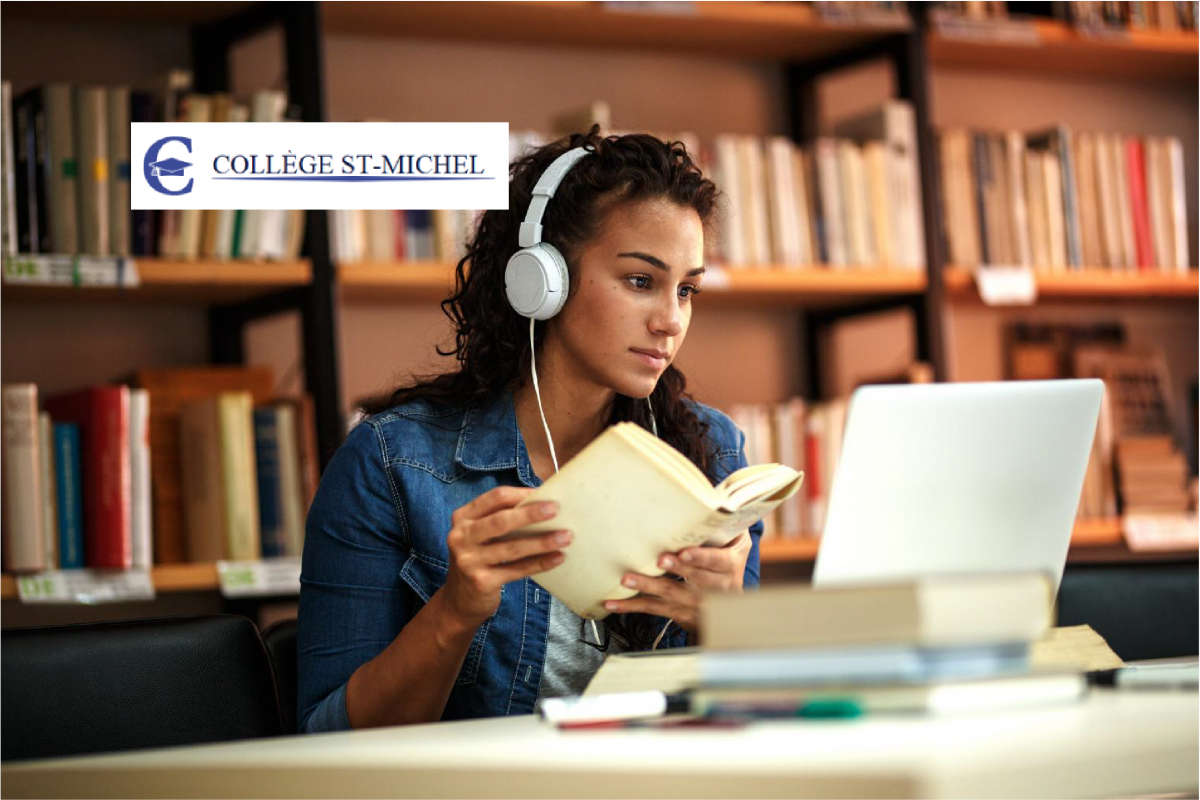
pixel 1007 286
pixel 86 586
pixel 51 269
pixel 268 576
pixel 1148 532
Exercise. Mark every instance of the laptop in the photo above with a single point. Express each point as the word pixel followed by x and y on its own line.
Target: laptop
pixel 958 478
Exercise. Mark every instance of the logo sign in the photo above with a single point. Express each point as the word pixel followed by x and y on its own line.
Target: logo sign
pixel 320 165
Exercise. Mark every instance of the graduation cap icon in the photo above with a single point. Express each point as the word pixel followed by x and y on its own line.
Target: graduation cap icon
pixel 168 166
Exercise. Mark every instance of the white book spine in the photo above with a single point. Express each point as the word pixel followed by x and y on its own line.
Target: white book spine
pixel 24 548
pixel 807 252
pixel 1055 213
pixel 832 213
pixel 94 170
pixel 139 463
pixel 1116 155
pixel 733 246
pixel 8 187
pixel 1178 203
pixel 1020 211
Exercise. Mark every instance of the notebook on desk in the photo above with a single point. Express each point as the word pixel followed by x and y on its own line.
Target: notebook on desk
pixel 958 478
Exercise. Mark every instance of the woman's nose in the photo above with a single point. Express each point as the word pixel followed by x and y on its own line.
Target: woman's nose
pixel 667 319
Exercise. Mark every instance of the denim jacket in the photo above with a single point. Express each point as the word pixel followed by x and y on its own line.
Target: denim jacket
pixel 375 552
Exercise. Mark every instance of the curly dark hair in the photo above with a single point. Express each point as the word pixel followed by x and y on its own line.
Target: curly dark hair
pixel 492 340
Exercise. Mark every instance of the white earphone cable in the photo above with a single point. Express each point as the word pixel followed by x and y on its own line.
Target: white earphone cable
pixel 538 393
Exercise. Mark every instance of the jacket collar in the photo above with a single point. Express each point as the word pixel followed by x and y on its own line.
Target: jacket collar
pixel 490 439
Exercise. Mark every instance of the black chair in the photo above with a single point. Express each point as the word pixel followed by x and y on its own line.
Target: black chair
pixel 1143 610
pixel 75 689
pixel 280 639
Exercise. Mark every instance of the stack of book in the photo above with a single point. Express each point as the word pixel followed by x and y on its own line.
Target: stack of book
pixel 1101 16
pixel 936 644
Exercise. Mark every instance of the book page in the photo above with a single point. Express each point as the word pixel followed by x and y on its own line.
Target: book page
pixel 665 670
pixel 1077 648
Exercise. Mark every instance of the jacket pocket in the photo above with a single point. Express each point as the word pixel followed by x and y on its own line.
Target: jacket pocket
pixel 425 575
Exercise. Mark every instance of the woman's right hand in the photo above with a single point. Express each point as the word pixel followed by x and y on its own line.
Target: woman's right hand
pixel 479 565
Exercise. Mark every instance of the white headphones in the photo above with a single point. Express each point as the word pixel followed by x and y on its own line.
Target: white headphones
pixel 535 279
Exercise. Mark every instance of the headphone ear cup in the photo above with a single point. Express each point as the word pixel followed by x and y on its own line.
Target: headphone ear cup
pixel 559 264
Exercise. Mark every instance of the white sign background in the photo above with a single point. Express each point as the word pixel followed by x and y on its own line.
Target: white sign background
pixel 215 186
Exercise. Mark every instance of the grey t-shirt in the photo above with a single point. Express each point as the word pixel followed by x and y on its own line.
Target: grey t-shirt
pixel 570 663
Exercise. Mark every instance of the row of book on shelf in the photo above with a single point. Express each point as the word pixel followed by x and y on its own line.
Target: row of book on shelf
pixel 1087 14
pixel 939 645
pixel 1058 200
pixel 1137 465
pixel 186 465
pixel 66 175
pixel 844 201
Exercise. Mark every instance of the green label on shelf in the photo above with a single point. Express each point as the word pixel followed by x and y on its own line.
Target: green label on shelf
pixel 270 576
pixel 85 586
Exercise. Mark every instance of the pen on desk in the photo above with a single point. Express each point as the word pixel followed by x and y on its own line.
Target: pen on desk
pixel 612 707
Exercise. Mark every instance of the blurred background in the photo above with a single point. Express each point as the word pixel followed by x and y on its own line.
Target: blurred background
pixel 959 191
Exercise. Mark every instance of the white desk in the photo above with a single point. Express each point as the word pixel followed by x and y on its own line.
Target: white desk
pixel 1115 743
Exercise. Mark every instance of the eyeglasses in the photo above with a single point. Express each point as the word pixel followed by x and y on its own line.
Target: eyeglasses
pixel 594 634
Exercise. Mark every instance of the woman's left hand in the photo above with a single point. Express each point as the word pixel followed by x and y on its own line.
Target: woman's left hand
pixel 704 569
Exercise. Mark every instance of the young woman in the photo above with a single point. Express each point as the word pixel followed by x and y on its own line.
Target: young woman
pixel 410 611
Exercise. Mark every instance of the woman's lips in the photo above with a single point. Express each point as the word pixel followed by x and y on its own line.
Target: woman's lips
pixel 651 359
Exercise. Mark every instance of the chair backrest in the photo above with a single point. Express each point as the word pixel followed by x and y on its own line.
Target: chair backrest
pixel 280 639
pixel 1146 610
pixel 75 689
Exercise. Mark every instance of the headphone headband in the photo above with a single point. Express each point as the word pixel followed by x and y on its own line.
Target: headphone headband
pixel 531 228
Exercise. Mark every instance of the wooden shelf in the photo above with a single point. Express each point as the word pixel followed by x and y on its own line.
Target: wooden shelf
pixel 1092 540
pixel 166 578
pixel 787 31
pixel 423 282
pixel 1058 48
pixel 1091 284
pixel 172 281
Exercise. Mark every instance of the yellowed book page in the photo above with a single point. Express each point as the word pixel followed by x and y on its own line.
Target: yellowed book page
pixel 664 671
pixel 625 511
pixel 1076 647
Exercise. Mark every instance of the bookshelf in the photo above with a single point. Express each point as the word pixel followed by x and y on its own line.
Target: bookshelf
pixel 1101 284
pixel 1049 46
pixel 187 282
pixel 804 47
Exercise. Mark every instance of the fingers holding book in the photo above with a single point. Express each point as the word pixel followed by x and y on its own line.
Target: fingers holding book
pixel 662 596
pixel 483 557
pixel 716 569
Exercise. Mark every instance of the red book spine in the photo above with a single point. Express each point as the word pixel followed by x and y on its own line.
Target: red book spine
pixel 1136 163
pixel 102 414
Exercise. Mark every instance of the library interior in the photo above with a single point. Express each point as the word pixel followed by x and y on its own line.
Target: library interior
pixel 949 283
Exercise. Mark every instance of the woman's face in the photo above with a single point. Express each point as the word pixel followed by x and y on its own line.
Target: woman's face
pixel 629 310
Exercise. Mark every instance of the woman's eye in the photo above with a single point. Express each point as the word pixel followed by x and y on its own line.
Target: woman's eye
pixel 689 291
pixel 639 281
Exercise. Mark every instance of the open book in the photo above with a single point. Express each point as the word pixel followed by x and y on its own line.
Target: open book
pixel 629 497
